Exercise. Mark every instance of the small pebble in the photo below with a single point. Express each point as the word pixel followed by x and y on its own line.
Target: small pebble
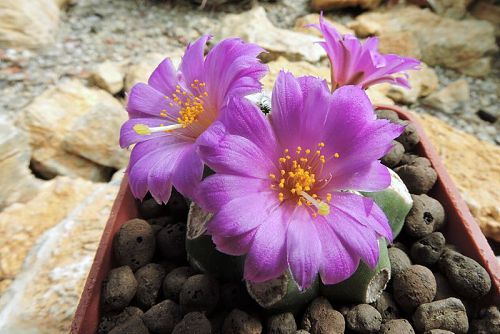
pixel 239 322
pixel 134 325
pixel 110 321
pixel 171 242
pixel 419 178
pixel 394 156
pixel 408 158
pixel 387 307
pixel 134 244
pixel 174 280
pixel 162 317
pixel 149 279
pixel 283 323
pixel 487 323
pixel 151 209
pixel 409 138
pixel 467 277
pixel 398 326
pixel 364 318
pixel 177 206
pixel 119 288
pixel 193 323
pixel 426 216
pixel 233 295
pixel 391 115
pixel 399 260
pixel 414 286
pixel 438 331
pixel 302 331
pixel 428 250
pixel 443 287
pixel 448 314
pixel 199 293
pixel 319 315
pixel 161 221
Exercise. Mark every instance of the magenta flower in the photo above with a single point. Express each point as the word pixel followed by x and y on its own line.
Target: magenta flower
pixel 168 114
pixel 354 63
pixel 279 192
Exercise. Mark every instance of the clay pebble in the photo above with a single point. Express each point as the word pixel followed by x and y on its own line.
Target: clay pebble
pixel 134 325
pixel 283 323
pixel 119 288
pixel 428 250
pixel 388 114
pixel 409 138
pixel 110 321
pixel 149 280
pixel 162 317
pixel 418 177
pixel 134 244
pixel 488 321
pixel 364 318
pixel 199 293
pixel 399 326
pixel 193 323
pixel 319 315
pixel 414 286
pixel 149 208
pixel 399 260
pixel 171 242
pixel 426 216
pixel 174 280
pixel 394 156
pixel 387 307
pixel 239 322
pixel 448 314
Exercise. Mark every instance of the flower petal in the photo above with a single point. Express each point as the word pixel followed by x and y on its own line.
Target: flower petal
pixel 164 77
pixel 192 65
pixel 235 246
pixel 144 100
pixel 303 248
pixel 188 173
pixel 371 177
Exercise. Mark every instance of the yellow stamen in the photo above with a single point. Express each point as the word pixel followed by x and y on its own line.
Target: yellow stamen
pixel 142 129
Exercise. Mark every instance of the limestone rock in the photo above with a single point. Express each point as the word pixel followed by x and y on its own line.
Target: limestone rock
pixel 464 45
pixel 365 27
pixel 451 98
pixel 313 18
pixel 254 26
pixel 18 184
pixel 109 76
pixel 401 43
pixel 378 95
pixel 44 295
pixel 484 10
pixel 51 120
pixel 423 82
pixel 330 4
pixel 455 9
pixel 28 23
pixel 140 72
pixel 473 166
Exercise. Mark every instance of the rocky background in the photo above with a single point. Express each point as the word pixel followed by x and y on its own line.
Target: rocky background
pixel 65 66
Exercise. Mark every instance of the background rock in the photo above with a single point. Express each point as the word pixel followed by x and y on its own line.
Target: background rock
pixel 302 22
pixel 484 10
pixel 331 4
pixel 423 82
pixel 109 76
pixel 451 99
pixel 455 9
pixel 18 184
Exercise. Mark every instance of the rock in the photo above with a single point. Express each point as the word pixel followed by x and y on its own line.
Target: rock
pixel 401 43
pixel 18 184
pixel 65 126
pixel 443 287
pixel 109 76
pixel 134 325
pixel 426 216
pixel 193 323
pixel 149 209
pixel 313 18
pixel 387 307
pixel 487 323
pixel 254 26
pixel 448 314
pixel 199 293
pixel 141 71
pixel 66 229
pixel 423 82
pixel 171 241
pixel 438 331
pixel 365 27
pixel 377 95
pixel 483 10
pixel 110 321
pixel 410 137
pixel 419 178
pixel 393 157
pixel 388 114
pixel 477 176
pixel 28 23
pixel 283 323
pixel 319 314
pixel 118 288
pixel 414 286
pixel 467 277
pixel 364 318
pixel 162 317
pixel 399 260
pixel 174 281
pixel 439 38
pixel 134 244
pixel 234 294
pixel 455 9
pixel 149 280
pixel 331 4
pixel 427 250
pixel 450 99
pixel 399 326
pixel 298 68
pixel 239 322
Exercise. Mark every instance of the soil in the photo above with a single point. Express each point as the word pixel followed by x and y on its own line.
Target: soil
pixel 430 278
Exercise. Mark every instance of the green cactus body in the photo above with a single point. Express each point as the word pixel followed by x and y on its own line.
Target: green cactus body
pixel 201 252
pixel 395 201
pixel 282 294
pixel 365 285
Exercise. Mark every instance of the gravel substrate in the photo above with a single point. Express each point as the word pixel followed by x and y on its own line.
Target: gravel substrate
pixel 434 288
pixel 93 31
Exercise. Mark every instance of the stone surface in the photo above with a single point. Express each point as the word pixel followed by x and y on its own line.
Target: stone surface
pixel 28 23
pixel 448 314
pixel 18 184
pixel 313 18
pixel 74 131
pixel 477 175
pixel 254 26
pixel 45 293
pixel 331 4
pixel 109 76
pixel 402 43
pixel 455 9
pixel 451 99
pixel 422 82
pixel 484 10
pixel 462 45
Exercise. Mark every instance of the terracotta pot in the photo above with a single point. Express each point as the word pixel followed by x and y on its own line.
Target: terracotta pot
pixel 461 230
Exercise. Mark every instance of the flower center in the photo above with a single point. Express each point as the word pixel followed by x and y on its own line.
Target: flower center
pixel 190 104
pixel 298 178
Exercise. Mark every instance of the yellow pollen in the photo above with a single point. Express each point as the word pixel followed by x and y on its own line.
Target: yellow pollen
pixel 308 151
pixel 336 155
pixel 272 176
pixel 142 129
